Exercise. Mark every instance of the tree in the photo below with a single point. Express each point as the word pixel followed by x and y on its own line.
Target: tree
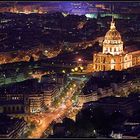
pixel 55 102
pixel 69 125
pixel 32 126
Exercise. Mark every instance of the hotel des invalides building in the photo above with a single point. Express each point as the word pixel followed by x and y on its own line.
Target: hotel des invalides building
pixel 113 55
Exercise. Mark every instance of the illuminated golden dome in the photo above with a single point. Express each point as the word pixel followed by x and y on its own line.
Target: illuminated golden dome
pixel 112 43
pixel 112 34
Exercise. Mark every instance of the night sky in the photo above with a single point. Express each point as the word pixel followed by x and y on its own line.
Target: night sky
pixel 64 3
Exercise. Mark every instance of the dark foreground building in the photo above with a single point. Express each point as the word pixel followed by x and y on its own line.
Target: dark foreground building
pixel 11 127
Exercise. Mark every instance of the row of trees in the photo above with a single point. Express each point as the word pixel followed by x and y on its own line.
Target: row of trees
pixel 59 99
pixel 90 123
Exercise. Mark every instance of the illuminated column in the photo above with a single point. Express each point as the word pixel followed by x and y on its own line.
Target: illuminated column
pixel 112 50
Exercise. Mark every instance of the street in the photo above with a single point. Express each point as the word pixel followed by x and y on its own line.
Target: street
pixel 45 119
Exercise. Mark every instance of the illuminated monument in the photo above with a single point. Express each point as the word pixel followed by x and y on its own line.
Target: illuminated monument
pixel 112 55
pixel 113 43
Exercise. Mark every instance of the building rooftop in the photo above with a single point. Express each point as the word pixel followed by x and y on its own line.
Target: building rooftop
pixel 30 86
pixel 134 119
pixel 118 100
pixel 11 102
pixel 21 87
pixel 135 132
pixel 7 124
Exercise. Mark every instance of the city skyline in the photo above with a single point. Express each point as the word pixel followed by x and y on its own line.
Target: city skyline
pixel 72 7
pixel 70 70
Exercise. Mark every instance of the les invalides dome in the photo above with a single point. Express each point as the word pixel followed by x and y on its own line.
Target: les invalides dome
pixel 112 42
pixel 113 34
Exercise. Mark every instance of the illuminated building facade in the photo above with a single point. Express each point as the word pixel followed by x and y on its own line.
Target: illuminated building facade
pixel 19 98
pixel 49 95
pixel 33 102
pixel 113 56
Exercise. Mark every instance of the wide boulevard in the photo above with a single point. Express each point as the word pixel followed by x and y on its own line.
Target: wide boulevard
pixel 44 120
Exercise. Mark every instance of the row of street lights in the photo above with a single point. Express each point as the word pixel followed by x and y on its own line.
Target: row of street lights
pixel 76 69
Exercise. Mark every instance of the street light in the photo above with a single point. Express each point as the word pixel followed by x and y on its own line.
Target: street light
pixel 76 69
pixel 81 68
pixel 74 85
pixel 63 71
pixel 72 70
pixel 79 59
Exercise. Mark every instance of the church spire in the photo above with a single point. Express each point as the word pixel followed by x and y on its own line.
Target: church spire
pixel 112 19
pixel 112 26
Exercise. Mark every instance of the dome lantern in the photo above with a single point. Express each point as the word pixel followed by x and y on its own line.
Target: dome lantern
pixel 112 26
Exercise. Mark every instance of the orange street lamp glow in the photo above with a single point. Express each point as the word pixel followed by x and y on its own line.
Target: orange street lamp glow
pixel 81 68
pixel 79 60
pixel 74 85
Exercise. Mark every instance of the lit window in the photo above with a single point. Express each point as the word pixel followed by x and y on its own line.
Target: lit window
pixel 13 98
